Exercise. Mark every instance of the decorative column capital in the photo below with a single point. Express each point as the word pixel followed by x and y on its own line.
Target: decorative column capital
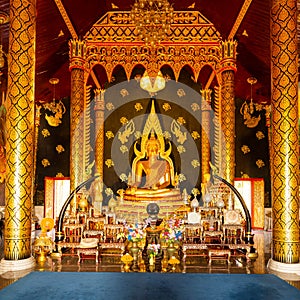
pixel 206 96
pixel 77 52
pixel 228 50
pixel 99 99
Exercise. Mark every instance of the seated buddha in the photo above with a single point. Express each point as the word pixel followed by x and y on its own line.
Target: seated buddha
pixel 152 172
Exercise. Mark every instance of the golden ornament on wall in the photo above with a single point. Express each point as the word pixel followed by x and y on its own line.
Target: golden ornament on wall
pixel 109 191
pixel 181 120
pixel 137 134
pixel 123 177
pixel 57 109
pixel 45 162
pixel 60 148
pixel 129 129
pixel 245 149
pixel 167 135
pixel 260 135
pixel 109 106
pixel 195 106
pixel 123 149
pixel 181 177
pixel 45 133
pixel 138 106
pixel 109 134
pixel 175 129
pixel 180 93
pixel 260 163
pixel 195 135
pixel 180 149
pixel 123 120
pixel 166 106
pixel 59 175
pixel 195 163
pixel 124 93
pixel 109 163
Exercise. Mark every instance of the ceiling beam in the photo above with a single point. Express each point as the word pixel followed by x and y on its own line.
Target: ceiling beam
pixel 73 33
pixel 233 32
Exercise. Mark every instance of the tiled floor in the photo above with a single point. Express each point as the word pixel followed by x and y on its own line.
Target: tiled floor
pixel 262 240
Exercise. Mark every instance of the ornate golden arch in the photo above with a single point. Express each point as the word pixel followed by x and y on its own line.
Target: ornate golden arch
pixel 112 41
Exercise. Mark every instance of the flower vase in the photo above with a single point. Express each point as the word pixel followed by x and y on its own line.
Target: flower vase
pixel 171 250
pixel 134 251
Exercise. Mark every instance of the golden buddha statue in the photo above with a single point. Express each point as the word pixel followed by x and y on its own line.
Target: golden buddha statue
pixel 152 169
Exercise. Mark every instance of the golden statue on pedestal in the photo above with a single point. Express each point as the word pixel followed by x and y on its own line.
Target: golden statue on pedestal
pixel 153 173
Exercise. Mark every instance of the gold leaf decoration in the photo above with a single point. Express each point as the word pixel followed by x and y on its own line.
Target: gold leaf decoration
pixel 180 93
pixel 260 135
pixel 123 149
pixel 180 149
pixel 181 177
pixel 109 191
pixel 167 135
pixel 195 163
pixel 59 175
pixel 123 177
pixel 245 149
pixel 128 130
pixel 195 192
pixel 195 106
pixel 45 133
pixel 109 134
pixel 57 110
pixel 123 120
pixel 45 162
pixel 195 135
pixel 138 106
pixel 176 130
pixel 181 120
pixel 109 163
pixel 124 93
pixel 60 148
pixel 260 163
pixel 137 134
pixel 109 106
pixel 166 106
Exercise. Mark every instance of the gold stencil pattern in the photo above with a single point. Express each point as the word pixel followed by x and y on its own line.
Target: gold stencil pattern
pixel 76 158
pixel 20 140
pixel 285 149
pixel 228 124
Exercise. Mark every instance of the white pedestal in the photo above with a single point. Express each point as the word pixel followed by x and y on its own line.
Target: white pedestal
pixel 283 270
pixel 17 265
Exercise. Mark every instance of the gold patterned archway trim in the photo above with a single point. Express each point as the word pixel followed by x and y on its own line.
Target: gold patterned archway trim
pixel 193 41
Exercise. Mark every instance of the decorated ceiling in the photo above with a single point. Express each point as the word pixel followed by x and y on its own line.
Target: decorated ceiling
pixel 58 21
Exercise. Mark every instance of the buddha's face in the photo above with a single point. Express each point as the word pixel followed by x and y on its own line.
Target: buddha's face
pixel 152 148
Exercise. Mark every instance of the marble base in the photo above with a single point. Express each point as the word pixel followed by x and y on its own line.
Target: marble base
pixel 283 270
pixel 17 265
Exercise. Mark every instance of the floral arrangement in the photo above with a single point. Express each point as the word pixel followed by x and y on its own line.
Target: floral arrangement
pixel 172 230
pixel 153 249
pixel 135 232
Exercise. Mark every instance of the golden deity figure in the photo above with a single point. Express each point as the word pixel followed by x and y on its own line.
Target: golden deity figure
pixel 152 175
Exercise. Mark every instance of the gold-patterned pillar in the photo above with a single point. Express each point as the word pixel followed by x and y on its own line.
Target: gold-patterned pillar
pixel 77 62
pixel 99 130
pixel 20 136
pixel 205 133
pixel 99 147
pixel 285 136
pixel 228 68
